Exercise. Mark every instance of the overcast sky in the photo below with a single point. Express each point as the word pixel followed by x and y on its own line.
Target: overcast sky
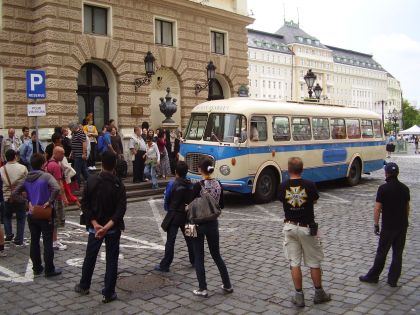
pixel 388 29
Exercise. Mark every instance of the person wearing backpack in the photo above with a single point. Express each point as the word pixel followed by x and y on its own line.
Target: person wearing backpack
pixel 210 231
pixel 104 204
pixel 179 195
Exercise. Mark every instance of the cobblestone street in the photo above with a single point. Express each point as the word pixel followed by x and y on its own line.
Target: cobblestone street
pixel 251 244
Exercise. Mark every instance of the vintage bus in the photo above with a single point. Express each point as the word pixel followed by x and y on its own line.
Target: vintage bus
pixel 250 142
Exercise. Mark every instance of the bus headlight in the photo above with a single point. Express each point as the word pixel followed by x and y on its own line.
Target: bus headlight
pixel 224 170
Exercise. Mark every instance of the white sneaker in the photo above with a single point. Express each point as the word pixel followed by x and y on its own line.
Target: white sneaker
pixel 59 246
pixel 94 168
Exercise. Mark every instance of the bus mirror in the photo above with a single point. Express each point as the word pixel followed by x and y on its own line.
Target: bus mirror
pixel 236 140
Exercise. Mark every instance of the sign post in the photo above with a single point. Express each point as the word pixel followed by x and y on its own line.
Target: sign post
pixel 36 89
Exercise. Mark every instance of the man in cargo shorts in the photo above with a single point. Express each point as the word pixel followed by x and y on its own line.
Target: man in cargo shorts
pixel 298 197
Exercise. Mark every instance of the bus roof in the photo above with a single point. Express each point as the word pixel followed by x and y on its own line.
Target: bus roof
pixel 249 106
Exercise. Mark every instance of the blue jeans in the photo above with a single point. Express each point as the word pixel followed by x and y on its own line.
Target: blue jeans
pixel 112 242
pixel 210 231
pixel 150 172
pixel 44 227
pixel 81 169
pixel 20 210
pixel 170 245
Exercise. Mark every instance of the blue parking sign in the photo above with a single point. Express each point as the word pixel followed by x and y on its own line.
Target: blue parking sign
pixel 35 84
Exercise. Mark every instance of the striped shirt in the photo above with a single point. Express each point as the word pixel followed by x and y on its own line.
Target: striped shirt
pixel 77 140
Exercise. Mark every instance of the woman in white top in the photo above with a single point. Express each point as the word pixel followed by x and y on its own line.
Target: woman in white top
pixel 152 160
pixel 137 148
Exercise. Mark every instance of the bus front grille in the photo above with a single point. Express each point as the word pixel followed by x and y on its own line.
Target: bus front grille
pixel 192 160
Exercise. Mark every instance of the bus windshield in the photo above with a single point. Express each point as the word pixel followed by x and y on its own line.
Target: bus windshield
pixel 225 127
pixel 196 127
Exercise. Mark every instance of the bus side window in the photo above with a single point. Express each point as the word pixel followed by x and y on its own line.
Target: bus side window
pixel 320 128
pixel 258 130
pixel 377 128
pixel 338 128
pixel 367 129
pixel 301 129
pixel 353 128
pixel 281 129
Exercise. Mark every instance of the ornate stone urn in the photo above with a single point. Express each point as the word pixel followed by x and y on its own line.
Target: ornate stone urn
pixel 168 107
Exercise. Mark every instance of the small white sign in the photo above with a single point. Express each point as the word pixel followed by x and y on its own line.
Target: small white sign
pixel 36 110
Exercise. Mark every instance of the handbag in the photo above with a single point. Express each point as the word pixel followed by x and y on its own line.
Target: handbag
pixel 12 188
pixel 41 213
pixel 203 209
pixel 190 230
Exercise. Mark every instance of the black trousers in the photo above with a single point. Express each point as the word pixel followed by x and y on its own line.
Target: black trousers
pixel 170 245
pixel 112 248
pixel 138 166
pixel 92 157
pixel 388 239
pixel 38 227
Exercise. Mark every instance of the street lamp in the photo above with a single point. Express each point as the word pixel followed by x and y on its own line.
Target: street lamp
pixel 211 75
pixel 318 90
pixel 310 78
pixel 149 65
pixel 393 118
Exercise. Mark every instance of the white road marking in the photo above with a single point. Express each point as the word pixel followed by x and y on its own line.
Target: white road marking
pixel 14 277
pixel 266 211
pixel 242 214
pixel 158 219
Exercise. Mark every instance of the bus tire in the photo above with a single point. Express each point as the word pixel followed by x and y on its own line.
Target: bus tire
pixel 266 187
pixel 355 173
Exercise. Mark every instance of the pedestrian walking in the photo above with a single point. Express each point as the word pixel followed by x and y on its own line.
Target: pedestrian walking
pixel 152 160
pixel 416 144
pixel 12 174
pixel 41 190
pixel 300 231
pixel 180 195
pixel 79 151
pixel 28 148
pixel 209 230
pixel 11 141
pixel 104 204
pixel 137 148
pixel 393 201
pixel 54 167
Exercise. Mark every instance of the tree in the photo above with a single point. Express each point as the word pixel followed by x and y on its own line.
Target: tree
pixel 411 115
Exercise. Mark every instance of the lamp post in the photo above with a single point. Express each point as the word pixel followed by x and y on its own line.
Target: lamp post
pixel 393 118
pixel 382 102
pixel 211 75
pixel 149 65
pixel 310 79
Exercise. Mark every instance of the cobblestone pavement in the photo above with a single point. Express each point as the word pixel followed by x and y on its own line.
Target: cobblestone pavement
pixel 251 244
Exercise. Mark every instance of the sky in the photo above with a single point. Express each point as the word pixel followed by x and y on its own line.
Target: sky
pixel 388 29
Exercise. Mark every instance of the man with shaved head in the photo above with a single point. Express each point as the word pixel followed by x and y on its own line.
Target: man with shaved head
pixel 10 142
pixel 54 168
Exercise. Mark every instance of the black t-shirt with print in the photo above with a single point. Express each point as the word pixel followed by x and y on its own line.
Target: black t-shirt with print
pixel 298 197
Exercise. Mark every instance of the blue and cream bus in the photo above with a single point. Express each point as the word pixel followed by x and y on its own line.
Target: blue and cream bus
pixel 250 142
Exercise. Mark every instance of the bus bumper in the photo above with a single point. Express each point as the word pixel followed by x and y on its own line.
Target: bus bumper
pixel 239 186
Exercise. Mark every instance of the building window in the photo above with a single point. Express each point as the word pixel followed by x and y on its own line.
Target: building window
pixel 217 43
pixel 95 20
pixel 164 32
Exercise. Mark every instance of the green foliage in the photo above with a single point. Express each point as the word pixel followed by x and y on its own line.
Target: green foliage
pixel 411 115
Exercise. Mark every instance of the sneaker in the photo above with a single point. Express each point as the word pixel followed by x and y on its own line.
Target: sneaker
pixel 159 268
pixel 9 238
pixel 227 290
pixel 368 280
pixel 200 293
pixel 93 168
pixel 298 299
pixel 110 298
pixel 321 296
pixel 55 272
pixel 81 291
pixel 59 246
pixel 3 253
pixel 19 243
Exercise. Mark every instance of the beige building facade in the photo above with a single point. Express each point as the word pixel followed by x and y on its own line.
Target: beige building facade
pixel 92 51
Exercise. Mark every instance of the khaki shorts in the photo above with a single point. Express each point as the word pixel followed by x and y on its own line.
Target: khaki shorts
pixel 59 215
pixel 298 242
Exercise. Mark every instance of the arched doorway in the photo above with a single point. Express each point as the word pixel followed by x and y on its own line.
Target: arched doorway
pixel 92 94
pixel 215 90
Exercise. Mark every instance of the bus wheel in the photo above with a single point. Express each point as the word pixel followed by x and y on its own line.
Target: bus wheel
pixel 355 173
pixel 266 186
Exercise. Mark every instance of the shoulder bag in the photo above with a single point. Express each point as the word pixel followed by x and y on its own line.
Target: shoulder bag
pixel 12 188
pixel 203 209
pixel 41 213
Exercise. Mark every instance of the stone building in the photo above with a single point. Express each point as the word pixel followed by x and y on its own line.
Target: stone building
pixel 92 51
pixel 347 77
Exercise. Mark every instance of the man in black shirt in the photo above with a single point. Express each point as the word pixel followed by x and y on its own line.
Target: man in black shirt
pixel 393 199
pixel 298 197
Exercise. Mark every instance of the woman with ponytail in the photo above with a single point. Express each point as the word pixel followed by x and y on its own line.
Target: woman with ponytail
pixel 210 231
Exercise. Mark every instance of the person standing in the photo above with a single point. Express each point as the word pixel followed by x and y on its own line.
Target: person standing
pixel 104 209
pixel 116 142
pixel 9 142
pixel 79 151
pixel 41 190
pixel 393 200
pixel 416 144
pixel 92 133
pixel 28 148
pixel 165 167
pixel 25 135
pixel 137 148
pixel 12 174
pixel 210 231
pixel 300 231
pixel 176 216
pixel 152 160
pixel 66 141
pixel 2 248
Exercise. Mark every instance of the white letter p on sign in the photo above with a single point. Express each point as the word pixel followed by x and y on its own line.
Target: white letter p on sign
pixel 36 79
